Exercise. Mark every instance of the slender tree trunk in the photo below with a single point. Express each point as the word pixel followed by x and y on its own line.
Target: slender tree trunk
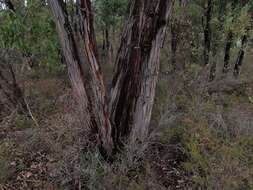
pixel 176 26
pixel 240 56
pixel 212 73
pixel 107 38
pixel 109 46
pixel 175 29
pixel 9 88
pixel 207 32
pixel 96 89
pixel 244 41
pixel 215 46
pixel 104 42
pixel 79 49
pixel 229 42
pixel 228 46
pixel 137 66
pixel 174 42
pixel 9 5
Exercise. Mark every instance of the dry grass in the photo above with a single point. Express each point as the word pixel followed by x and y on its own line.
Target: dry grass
pixel 198 141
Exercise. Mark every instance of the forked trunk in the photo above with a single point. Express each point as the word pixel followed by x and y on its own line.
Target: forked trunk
pixel 136 71
pixel 79 49
pixel 137 66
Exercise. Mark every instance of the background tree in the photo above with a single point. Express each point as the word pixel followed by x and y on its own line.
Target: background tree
pixel 108 20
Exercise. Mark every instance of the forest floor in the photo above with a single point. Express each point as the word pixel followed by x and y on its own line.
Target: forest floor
pixel 198 141
pixel 39 156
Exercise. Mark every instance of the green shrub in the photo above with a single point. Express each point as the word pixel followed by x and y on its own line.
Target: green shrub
pixel 5 151
pixel 215 162
pixel 23 122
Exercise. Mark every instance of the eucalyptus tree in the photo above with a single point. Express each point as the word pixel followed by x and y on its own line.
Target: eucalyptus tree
pixel 136 69
pixel 237 24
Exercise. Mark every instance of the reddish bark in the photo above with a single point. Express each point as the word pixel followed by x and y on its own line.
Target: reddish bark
pixel 137 66
pixel 89 89
pixel 136 69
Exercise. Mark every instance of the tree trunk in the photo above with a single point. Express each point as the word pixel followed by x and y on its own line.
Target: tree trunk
pixel 104 42
pixel 79 49
pixel 107 38
pixel 9 5
pixel 176 37
pixel 244 41
pixel 240 56
pixel 174 42
pixel 228 46
pixel 207 32
pixel 212 73
pixel 11 95
pixel 137 66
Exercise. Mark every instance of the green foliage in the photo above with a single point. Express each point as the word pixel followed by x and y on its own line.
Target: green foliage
pixel 31 31
pixel 109 12
pixel 160 99
pixel 238 21
pixel 22 122
pixel 226 16
pixel 5 151
pixel 109 15
pixel 93 169
pixel 214 161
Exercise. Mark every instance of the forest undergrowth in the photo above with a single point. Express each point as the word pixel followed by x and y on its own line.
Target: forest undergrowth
pixel 126 95
pixel 198 141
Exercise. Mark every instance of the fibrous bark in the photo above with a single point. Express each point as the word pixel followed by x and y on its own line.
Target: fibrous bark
pixel 137 66
pixel 136 71
pixel 79 49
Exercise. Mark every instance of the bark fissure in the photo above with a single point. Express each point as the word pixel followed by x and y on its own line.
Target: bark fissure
pixel 137 66
pixel 136 71
pixel 89 92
